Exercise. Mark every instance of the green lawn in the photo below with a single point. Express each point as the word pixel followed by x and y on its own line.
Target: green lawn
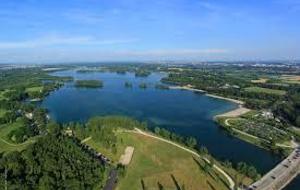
pixel 2 112
pixel 2 97
pixel 5 143
pixel 292 79
pixel 265 90
pixel 155 162
pixel 34 89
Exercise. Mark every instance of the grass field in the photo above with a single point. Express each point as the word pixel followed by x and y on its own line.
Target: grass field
pixel 156 163
pixel 5 144
pixel 34 89
pixel 2 112
pixel 261 80
pixel 265 90
pixel 292 79
pixel 2 97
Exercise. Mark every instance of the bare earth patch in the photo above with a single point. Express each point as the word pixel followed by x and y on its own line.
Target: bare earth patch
pixel 126 157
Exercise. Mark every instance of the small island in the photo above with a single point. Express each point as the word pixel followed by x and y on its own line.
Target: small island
pixel 143 85
pixel 142 73
pixel 128 84
pixel 89 84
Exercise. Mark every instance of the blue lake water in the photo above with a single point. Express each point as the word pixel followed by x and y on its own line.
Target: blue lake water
pixel 184 112
pixel 294 185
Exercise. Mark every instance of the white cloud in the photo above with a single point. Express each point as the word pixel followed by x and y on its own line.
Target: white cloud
pixel 55 40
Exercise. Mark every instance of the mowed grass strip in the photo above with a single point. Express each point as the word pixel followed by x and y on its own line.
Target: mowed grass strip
pixel 156 163
pixel 265 90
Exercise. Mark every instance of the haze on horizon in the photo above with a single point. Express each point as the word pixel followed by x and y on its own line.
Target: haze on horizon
pixel 98 30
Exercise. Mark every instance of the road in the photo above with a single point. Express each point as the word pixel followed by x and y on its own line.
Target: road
pixel 281 175
pixel 112 180
pixel 229 179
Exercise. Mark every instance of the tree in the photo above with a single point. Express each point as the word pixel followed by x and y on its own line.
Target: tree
pixel 228 164
pixel 53 128
pixel 156 130
pixel 191 142
pixel 242 167
pixel 251 172
pixel 211 162
pixel 53 162
pixel 203 150
pixel 121 170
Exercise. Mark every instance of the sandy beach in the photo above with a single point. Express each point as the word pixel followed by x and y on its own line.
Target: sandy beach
pixel 186 88
pixel 228 99
pixel 233 113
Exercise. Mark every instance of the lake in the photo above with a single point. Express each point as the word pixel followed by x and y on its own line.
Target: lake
pixel 184 112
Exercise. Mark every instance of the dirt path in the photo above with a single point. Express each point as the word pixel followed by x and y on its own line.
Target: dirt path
pixel 86 139
pixel 229 179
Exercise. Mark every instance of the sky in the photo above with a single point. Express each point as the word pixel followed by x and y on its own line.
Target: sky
pixel 38 31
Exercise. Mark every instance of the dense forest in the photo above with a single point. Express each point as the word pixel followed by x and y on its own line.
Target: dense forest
pixel 53 162
pixel 289 108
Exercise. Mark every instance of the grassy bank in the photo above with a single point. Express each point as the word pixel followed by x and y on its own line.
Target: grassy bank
pixel 155 164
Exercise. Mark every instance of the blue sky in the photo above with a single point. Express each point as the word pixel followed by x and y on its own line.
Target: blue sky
pixel 100 30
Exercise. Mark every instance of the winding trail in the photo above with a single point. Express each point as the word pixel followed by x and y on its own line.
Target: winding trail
pixel 17 145
pixel 229 179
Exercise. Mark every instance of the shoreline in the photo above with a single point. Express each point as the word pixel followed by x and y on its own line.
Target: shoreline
pixel 240 110
pixel 186 88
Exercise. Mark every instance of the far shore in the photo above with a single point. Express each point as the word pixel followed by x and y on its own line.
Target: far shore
pixel 233 113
